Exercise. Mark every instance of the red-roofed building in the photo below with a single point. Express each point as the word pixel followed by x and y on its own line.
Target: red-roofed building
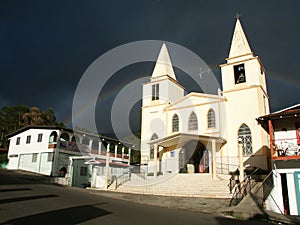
pixel 284 128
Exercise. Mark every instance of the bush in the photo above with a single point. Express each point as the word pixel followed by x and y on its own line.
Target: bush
pixel 3 159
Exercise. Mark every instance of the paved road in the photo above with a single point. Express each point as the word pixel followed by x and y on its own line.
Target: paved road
pixel 24 200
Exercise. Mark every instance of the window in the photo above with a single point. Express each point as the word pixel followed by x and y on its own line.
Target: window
pixel 155 92
pixel 245 139
pixel 193 122
pixel 239 74
pixel 28 138
pixel 153 137
pixel 181 159
pixel 83 171
pixel 50 156
pixel 34 157
pixel 85 141
pixel 64 137
pixel 53 137
pixel 175 123
pixel 18 140
pixel 211 119
pixel 172 153
pixel 40 137
pixel 265 107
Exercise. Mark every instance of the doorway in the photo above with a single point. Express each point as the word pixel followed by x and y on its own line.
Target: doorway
pixel 193 158
pixel 285 194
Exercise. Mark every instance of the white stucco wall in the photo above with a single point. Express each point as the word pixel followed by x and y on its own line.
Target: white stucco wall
pixel 200 105
pixel 22 153
pixel 274 201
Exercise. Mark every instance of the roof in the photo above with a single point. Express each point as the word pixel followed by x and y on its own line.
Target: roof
pixel 103 162
pixel 163 64
pixel 179 139
pixel 3 150
pixel 21 130
pixel 239 44
pixel 289 112
pixel 292 111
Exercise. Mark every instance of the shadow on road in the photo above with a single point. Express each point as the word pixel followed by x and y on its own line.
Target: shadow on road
pixel 27 198
pixel 15 177
pixel 73 215
pixel 15 189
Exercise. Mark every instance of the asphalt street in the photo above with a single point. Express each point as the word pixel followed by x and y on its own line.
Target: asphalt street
pixel 27 200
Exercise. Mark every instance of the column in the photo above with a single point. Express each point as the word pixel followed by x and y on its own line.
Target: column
pixel 123 148
pixel 116 150
pixel 155 160
pixel 99 148
pixel 214 163
pixel 272 143
pixel 241 161
pixel 129 153
pixel 107 166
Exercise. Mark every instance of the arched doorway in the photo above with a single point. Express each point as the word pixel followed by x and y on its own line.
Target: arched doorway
pixel 193 158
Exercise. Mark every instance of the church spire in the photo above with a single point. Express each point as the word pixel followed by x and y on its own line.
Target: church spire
pixel 163 64
pixel 239 44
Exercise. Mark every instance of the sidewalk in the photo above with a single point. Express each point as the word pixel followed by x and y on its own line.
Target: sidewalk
pixel 213 206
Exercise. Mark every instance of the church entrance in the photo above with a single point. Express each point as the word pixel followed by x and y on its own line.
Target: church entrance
pixel 193 158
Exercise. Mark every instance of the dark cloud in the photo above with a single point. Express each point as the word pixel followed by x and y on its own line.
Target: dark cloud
pixel 45 46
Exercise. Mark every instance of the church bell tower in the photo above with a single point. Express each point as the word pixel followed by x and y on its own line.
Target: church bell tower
pixel 245 90
pixel 162 89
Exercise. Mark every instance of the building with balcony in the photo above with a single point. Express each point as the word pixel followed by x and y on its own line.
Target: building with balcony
pixel 284 127
pixel 57 151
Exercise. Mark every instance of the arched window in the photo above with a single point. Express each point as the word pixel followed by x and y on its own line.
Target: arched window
pixel 64 137
pixel 193 122
pixel 53 137
pixel 95 145
pixel 211 119
pixel 245 139
pixel 175 123
pixel 85 141
pixel 75 138
pixel 153 137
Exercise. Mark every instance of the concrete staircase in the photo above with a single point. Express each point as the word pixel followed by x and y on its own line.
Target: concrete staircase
pixel 188 185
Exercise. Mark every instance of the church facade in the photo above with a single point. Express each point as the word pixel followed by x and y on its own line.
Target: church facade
pixel 206 133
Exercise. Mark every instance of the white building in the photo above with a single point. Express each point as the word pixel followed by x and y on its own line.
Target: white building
pixel 48 149
pixel 205 132
pixel 284 128
pixel 36 149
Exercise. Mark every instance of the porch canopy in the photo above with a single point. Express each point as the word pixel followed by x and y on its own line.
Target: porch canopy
pixel 178 140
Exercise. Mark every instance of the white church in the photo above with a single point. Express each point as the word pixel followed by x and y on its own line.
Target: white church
pixel 206 133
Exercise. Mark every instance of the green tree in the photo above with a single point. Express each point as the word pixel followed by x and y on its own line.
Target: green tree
pixel 33 117
pixel 13 118
pixel 49 117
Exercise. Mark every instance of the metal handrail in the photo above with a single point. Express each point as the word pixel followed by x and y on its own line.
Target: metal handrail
pixel 242 189
pixel 118 181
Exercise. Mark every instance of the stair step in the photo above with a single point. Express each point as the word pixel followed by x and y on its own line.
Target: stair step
pixel 200 185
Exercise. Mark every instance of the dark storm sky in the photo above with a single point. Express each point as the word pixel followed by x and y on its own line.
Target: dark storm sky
pixel 46 46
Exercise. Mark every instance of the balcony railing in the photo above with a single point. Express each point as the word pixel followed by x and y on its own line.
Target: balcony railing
pixel 73 146
pixel 285 149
